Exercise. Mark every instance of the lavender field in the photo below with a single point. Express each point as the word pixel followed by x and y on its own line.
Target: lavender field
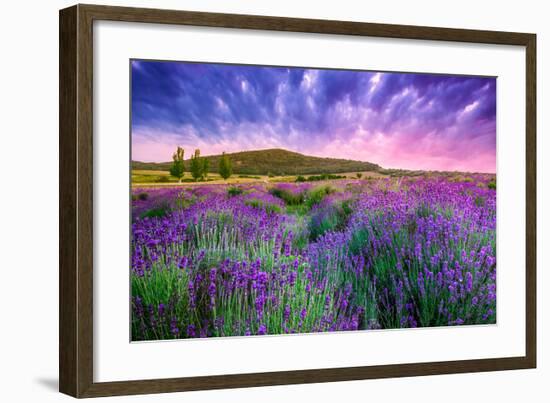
pixel 275 258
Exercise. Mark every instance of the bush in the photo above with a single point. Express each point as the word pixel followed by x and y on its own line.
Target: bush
pixel 347 208
pixel 156 212
pixel 290 199
pixel 492 185
pixel 330 218
pixel 321 223
pixel 359 241
pixel 143 196
pixel 300 178
pixel 316 195
pixel 323 177
pixel 259 204
pixel 234 191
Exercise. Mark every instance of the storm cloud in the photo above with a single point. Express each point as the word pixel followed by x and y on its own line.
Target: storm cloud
pixel 397 120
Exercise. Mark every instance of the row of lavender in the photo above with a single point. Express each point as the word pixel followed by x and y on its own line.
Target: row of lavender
pixel 297 258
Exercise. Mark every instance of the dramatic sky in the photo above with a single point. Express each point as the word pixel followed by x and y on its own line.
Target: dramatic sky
pixel 397 120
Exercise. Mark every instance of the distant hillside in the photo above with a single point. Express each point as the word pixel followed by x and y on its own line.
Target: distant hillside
pixel 275 162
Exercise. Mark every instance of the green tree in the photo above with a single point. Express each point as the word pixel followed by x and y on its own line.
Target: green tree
pixel 177 169
pixel 225 169
pixel 197 166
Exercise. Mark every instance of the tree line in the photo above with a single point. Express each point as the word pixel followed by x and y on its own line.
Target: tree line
pixel 198 166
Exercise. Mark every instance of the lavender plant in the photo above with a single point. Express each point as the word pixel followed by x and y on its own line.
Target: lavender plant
pixel 384 254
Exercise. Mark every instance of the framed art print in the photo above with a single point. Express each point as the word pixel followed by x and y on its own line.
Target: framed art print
pixel 251 200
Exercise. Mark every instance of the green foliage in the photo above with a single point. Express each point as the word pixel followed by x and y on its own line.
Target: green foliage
pixel 330 218
pixel 359 175
pixel 275 162
pixel 319 226
pixel 177 169
pixel 423 210
pixel 323 177
pixel 347 207
pixel 234 191
pixel 316 195
pixel 492 185
pixel 297 210
pixel 411 226
pixel 156 212
pixel 182 202
pixel 225 169
pixel 290 198
pixel 268 207
pixel 197 166
pixel 300 178
pixel 359 241
pixel 301 202
pixel 300 231
pixel 140 196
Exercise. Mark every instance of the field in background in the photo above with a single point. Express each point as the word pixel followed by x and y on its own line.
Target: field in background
pixel 142 178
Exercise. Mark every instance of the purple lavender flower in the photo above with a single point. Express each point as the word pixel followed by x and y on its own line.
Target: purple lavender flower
pixel 286 313
pixel 469 282
pixel 262 330
pixel 225 265
pixel 212 274
pixel 161 309
pixel 174 327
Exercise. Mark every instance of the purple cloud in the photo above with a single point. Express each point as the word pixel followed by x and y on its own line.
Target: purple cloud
pixel 401 120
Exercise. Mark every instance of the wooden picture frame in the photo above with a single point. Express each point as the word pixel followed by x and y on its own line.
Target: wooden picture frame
pixel 76 200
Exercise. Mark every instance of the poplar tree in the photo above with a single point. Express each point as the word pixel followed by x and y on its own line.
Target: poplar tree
pixel 197 166
pixel 177 169
pixel 225 170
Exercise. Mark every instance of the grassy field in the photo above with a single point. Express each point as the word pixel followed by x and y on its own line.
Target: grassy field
pixel 141 178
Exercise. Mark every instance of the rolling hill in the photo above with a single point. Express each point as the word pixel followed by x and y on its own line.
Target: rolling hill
pixel 274 162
